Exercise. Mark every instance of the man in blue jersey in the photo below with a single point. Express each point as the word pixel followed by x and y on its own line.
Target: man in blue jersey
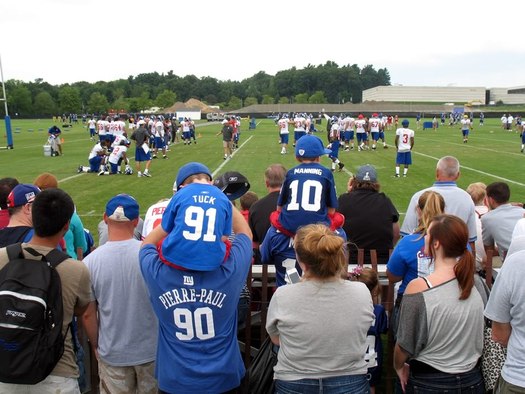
pixel 197 311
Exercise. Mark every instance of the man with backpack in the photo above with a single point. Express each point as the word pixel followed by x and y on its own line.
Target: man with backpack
pixel 41 289
pixel 20 226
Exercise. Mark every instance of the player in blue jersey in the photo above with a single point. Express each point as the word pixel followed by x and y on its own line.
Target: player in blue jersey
pixel 308 194
pixel 198 350
pixel 196 222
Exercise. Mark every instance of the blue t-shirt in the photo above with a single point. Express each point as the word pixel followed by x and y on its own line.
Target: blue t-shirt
pixel 196 218
pixel 307 193
pixel 404 259
pixel 198 350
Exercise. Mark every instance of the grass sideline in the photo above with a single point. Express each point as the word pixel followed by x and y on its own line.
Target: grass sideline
pixel 490 155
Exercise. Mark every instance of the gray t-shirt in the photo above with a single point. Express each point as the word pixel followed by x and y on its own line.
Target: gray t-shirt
pixel 457 202
pixel 127 333
pixel 497 226
pixel 322 328
pixel 440 330
pixel 507 305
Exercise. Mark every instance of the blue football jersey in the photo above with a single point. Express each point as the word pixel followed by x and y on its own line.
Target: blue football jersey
pixel 307 193
pixel 196 218
pixel 198 350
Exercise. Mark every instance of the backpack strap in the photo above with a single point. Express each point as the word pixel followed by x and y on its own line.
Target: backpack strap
pixel 14 251
pixel 54 257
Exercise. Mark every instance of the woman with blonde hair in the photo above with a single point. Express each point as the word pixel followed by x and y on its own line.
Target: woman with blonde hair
pixel 320 323
pixel 408 260
pixel 440 333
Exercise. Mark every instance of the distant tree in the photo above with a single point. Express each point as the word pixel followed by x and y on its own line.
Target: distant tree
pixel 317 98
pixel 250 101
pixel 234 103
pixel 267 99
pixel 283 100
pixel 69 99
pixel 166 99
pixel 18 98
pixel 97 104
pixel 121 104
pixel 45 104
pixel 301 98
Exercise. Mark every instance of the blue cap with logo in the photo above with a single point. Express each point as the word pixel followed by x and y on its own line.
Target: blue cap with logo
pixel 22 194
pixel 309 146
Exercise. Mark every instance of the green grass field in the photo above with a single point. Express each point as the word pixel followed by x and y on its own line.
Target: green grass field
pixel 490 155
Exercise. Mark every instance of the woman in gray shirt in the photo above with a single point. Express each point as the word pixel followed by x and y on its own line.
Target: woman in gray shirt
pixel 440 334
pixel 321 323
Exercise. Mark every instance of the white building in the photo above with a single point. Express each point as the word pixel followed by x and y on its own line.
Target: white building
pixel 429 94
pixel 445 94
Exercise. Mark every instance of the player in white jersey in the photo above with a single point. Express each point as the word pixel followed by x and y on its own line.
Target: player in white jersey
pixel 186 132
pixel 118 154
pixel 299 127
pixel 466 125
pixel 284 133
pixel 348 132
pixel 160 142
pixel 153 216
pixel 374 127
pixel 102 125
pixel 360 132
pixel 404 144
pixel 97 158
pixel 92 126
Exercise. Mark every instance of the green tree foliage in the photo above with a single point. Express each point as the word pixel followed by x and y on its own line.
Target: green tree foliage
pixel 267 99
pixel 250 101
pixel 18 98
pixel 98 103
pixel 69 99
pixel 301 98
pixel 235 102
pixel 45 104
pixel 317 98
pixel 165 99
pixel 326 83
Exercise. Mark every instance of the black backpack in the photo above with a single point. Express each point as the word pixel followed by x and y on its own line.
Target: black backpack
pixel 31 315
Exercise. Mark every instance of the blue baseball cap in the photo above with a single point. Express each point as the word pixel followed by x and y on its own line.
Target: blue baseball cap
pixel 188 170
pixel 22 194
pixel 122 208
pixel 310 146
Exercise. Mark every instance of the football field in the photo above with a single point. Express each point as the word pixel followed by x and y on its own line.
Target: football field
pixel 490 155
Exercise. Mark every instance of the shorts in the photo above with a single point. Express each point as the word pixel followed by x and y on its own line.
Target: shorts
pixel 284 138
pixel 159 143
pixel 50 385
pixel 404 158
pixel 140 155
pixel 127 379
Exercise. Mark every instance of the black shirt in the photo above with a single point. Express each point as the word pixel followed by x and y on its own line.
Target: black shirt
pixel 369 216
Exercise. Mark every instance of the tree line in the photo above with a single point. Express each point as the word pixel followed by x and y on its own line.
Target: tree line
pixel 327 83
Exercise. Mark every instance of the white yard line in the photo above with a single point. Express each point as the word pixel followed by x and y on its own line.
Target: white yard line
pixel 227 160
pixel 475 170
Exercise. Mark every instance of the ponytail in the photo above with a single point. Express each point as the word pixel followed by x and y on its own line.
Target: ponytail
pixel 464 271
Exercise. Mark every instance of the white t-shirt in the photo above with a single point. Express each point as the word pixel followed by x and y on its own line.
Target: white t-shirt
pixel 117 153
pixel 283 126
pixel 153 217
pixel 405 135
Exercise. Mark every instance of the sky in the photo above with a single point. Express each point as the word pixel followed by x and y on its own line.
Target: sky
pixel 420 43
